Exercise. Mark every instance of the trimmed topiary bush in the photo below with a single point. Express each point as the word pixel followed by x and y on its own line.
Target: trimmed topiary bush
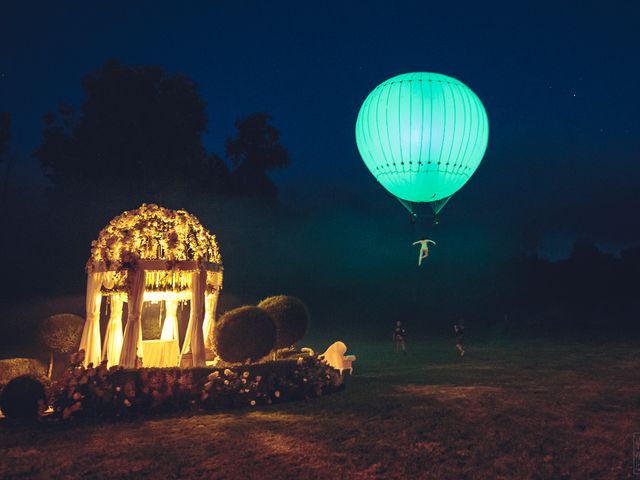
pixel 11 368
pixel 244 334
pixel 60 334
pixel 290 316
pixel 23 398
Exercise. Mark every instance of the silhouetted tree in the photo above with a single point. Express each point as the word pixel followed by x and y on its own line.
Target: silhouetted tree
pixel 584 250
pixel 215 175
pixel 255 152
pixel 631 255
pixel 528 242
pixel 5 174
pixel 60 334
pixel 5 134
pixel 139 130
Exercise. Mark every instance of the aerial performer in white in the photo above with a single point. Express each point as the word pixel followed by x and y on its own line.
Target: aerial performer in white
pixel 422 135
pixel 424 249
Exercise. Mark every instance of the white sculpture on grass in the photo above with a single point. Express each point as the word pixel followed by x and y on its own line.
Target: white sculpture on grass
pixel 335 357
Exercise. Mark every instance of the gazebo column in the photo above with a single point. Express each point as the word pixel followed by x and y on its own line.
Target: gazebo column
pixel 113 337
pixel 194 338
pixel 210 304
pixel 170 325
pixel 90 341
pixel 132 342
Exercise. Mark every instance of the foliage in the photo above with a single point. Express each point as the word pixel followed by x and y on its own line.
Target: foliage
pixel 61 333
pixel 153 232
pixel 254 152
pixel 101 393
pixel 23 398
pixel 244 334
pixel 272 382
pixel 139 129
pixel 5 133
pixel 11 368
pixel 139 132
pixel 577 295
pixel 290 316
pixel 98 392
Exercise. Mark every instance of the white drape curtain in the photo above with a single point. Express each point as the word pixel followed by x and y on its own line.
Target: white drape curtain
pixel 194 338
pixel 170 325
pixel 132 341
pixel 90 340
pixel 113 337
pixel 210 303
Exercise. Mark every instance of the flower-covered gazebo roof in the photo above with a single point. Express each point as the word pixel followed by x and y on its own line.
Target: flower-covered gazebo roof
pixel 152 232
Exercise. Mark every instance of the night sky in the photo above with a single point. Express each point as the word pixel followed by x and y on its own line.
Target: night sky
pixel 558 81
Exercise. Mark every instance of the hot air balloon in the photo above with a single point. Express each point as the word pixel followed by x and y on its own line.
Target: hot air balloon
pixel 422 135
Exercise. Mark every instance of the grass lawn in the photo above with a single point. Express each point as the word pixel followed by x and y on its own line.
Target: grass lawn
pixel 519 410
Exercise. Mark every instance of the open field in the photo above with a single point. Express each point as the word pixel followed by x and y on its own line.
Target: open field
pixel 519 410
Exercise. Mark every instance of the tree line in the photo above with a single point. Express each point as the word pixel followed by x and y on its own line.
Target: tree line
pixel 139 133
pixel 589 291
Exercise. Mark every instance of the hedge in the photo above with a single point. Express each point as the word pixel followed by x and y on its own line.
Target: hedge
pixel 101 393
pixel 244 334
pixel 11 368
pixel 290 316
pixel 23 398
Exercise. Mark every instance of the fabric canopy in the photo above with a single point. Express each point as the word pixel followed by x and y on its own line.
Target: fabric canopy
pixel 113 337
pixel 170 326
pixel 126 348
pixel 194 338
pixel 211 301
pixel 132 342
pixel 90 341
pixel 160 353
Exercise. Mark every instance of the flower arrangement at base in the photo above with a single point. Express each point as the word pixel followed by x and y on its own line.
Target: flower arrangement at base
pixel 95 393
pixel 286 380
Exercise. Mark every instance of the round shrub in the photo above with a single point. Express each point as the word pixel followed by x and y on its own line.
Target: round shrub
pixel 244 334
pixel 21 397
pixel 290 316
pixel 11 368
pixel 61 334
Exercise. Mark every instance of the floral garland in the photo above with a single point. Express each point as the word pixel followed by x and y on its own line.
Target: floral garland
pixel 102 393
pixel 152 232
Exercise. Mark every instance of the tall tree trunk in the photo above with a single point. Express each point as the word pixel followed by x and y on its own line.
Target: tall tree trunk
pixel 50 363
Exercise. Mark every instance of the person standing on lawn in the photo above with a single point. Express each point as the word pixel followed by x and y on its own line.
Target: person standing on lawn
pixel 398 337
pixel 458 329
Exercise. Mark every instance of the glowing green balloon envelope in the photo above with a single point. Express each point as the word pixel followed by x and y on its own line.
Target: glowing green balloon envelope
pixel 422 135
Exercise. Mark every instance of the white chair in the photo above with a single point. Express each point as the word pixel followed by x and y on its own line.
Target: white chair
pixel 336 358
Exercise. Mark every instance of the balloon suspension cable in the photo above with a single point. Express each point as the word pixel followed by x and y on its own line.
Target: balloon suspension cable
pixel 414 213
pixel 410 209
pixel 439 205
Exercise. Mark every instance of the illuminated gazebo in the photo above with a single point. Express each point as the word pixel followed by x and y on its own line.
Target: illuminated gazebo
pixel 152 254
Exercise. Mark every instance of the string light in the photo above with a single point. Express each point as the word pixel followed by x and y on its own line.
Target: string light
pixel 152 232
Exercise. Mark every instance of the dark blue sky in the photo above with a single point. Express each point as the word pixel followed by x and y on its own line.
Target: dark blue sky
pixel 559 81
